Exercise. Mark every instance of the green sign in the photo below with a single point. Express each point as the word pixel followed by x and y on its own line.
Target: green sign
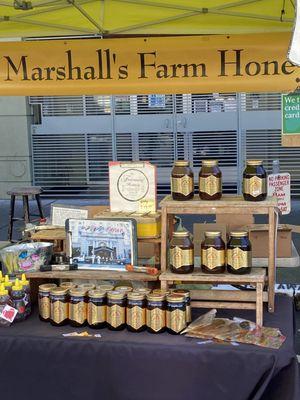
pixel 291 114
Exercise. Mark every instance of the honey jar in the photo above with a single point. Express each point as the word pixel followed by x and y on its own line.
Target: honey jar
pixel 143 290
pixel 44 301
pixel 239 259
pixel 136 312
pixel 182 181
pixel 254 181
pixel 116 310
pixel 125 289
pixel 77 307
pixel 210 180
pixel 187 297
pixel 105 287
pixel 175 313
pixel 96 309
pixel 213 253
pixel 86 286
pixel 156 313
pixel 68 285
pixel 181 253
pixel 59 306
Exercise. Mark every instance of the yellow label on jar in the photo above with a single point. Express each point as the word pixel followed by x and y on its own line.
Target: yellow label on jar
pixel 210 185
pixel 44 307
pixel 115 315
pixel 96 314
pixel 184 185
pixel 59 311
pixel 77 312
pixel 212 257
pixel 238 258
pixel 180 257
pixel 254 186
pixel 156 319
pixel 176 320
pixel 136 317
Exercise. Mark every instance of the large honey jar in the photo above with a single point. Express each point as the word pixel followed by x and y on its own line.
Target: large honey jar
pixel 116 310
pixel 254 181
pixel 175 313
pixel 210 180
pixel 181 253
pixel 44 301
pixel 156 313
pixel 59 306
pixel 239 259
pixel 136 312
pixel 77 307
pixel 213 253
pixel 187 297
pixel 96 310
pixel 182 181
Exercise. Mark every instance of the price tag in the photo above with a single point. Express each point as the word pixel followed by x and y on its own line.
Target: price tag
pixel 146 206
pixel 9 313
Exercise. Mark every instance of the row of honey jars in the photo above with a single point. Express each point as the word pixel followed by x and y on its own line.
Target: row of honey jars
pixel 210 181
pixel 215 257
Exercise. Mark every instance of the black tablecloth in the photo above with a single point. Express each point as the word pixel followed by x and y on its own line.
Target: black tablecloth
pixel 37 362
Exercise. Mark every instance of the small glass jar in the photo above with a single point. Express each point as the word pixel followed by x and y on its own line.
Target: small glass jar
pixel 239 258
pixel 59 306
pixel 68 285
pixel 181 253
pixel 182 181
pixel 17 297
pixel 156 313
pixel 116 310
pixel 176 313
pixel 96 313
pixel 213 253
pixel 77 307
pixel 105 287
pixel 136 312
pixel 44 301
pixel 210 180
pixel 187 297
pixel 254 181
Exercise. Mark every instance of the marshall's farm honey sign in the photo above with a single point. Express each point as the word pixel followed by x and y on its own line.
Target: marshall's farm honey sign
pixel 245 63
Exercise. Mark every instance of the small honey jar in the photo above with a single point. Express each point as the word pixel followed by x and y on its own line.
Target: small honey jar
pixel 77 307
pixel 59 306
pixel 136 312
pixel 116 310
pixel 156 313
pixel 44 301
pixel 96 310
pixel 176 313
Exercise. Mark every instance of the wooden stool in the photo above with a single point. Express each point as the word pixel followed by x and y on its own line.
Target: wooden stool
pixel 25 192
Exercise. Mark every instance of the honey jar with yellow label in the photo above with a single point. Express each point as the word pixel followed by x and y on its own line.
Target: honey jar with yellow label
pixel 213 253
pixel 210 180
pixel 96 309
pixel 116 310
pixel 44 301
pixel 156 313
pixel 181 253
pixel 254 181
pixel 175 313
pixel 187 297
pixel 77 307
pixel 182 181
pixel 239 258
pixel 136 312
pixel 59 306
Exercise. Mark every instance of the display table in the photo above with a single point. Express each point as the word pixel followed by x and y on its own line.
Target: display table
pixel 37 362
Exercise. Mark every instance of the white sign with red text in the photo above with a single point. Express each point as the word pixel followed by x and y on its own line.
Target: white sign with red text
pixel 279 185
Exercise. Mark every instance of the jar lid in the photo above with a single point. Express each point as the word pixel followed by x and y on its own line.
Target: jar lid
pixel 125 289
pixel 46 287
pixel 143 290
pixel 86 286
pixel 212 234
pixel 181 234
pixel 184 292
pixel 105 287
pixel 181 163
pixel 209 163
pixel 161 291
pixel 239 234
pixel 156 296
pixel 175 298
pixel 254 162
pixel 77 291
pixel 116 294
pixel 97 294
pixel 58 291
pixel 136 296
pixel 68 285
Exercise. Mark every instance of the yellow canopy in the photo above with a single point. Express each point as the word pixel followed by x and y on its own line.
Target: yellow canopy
pixel 38 18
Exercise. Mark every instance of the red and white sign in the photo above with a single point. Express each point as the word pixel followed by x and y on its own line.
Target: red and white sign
pixel 279 185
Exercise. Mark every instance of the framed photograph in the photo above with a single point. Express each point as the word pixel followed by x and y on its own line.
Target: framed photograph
pixel 107 244
pixel 61 212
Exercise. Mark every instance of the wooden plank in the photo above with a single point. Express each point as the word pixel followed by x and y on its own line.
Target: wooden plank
pixel 49 234
pixel 224 305
pixel 272 256
pixel 196 209
pixel 149 240
pixel 164 239
pixel 228 295
pixel 259 304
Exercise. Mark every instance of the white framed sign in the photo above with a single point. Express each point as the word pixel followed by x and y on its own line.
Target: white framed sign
pixel 61 212
pixel 279 185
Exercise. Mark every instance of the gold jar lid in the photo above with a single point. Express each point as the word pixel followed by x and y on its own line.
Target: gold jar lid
pixel 254 162
pixel 97 294
pixel 105 287
pixel 183 292
pixel 181 163
pixel 116 294
pixel 136 296
pixel 77 292
pixel 161 291
pixel 239 234
pixel 156 296
pixel 47 287
pixel 175 298
pixel 181 234
pixel 209 163
pixel 68 285
pixel 212 234
pixel 143 290
pixel 125 289
pixel 58 291
pixel 86 286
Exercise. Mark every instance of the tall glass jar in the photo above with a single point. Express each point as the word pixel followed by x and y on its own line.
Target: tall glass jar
pixel 96 313
pixel 116 310
pixel 175 313
pixel 254 181
pixel 136 312
pixel 181 253
pixel 44 301
pixel 187 297
pixel 156 313
pixel 239 258
pixel 59 312
pixel 182 181
pixel 210 180
pixel 77 307
pixel 213 253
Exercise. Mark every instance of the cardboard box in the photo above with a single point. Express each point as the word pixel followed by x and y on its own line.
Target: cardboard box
pixel 234 222
pixel 200 229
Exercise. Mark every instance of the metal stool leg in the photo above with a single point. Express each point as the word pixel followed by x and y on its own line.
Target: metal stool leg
pixel 39 204
pixel 11 217
pixel 26 209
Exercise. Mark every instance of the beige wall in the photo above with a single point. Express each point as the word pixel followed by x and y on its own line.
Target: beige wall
pixel 15 150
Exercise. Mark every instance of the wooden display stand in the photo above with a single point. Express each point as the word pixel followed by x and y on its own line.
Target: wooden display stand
pixel 234 299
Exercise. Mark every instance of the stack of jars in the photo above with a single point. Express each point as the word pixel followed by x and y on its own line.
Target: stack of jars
pixel 139 310
pixel 215 255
